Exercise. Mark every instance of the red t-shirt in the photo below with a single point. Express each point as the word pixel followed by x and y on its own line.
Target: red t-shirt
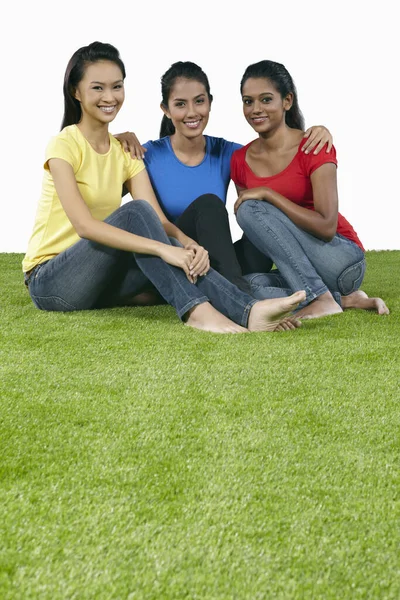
pixel 294 182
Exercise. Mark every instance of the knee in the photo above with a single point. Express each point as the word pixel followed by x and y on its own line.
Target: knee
pixel 245 213
pixel 210 203
pixel 138 207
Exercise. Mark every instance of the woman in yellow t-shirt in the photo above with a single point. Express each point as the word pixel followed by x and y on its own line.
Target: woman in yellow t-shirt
pixel 87 251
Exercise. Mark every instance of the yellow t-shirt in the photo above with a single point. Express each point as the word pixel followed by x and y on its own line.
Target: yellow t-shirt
pixel 99 177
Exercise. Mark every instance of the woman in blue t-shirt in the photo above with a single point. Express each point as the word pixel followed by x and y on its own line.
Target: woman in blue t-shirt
pixel 190 171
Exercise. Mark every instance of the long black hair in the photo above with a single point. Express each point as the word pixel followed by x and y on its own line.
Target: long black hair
pixel 75 72
pixel 282 80
pixel 179 70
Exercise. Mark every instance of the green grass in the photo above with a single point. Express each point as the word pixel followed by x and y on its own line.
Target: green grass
pixel 140 459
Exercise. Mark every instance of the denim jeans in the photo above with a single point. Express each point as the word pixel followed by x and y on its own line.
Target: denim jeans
pixel 90 275
pixel 304 262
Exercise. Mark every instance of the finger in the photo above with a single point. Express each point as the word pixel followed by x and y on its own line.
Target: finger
pixel 200 259
pixel 143 150
pixel 319 147
pixel 307 132
pixel 310 143
pixel 202 266
pixel 329 145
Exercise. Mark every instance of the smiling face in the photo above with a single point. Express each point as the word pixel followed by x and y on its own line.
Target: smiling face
pixel 188 107
pixel 263 106
pixel 101 92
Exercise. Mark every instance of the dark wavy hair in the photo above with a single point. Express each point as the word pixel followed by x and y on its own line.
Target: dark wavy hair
pixel 282 80
pixel 179 70
pixel 75 72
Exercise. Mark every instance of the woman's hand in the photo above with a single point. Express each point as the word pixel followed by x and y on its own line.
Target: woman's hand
pixel 201 262
pixel 318 136
pixel 178 257
pixel 130 143
pixel 259 193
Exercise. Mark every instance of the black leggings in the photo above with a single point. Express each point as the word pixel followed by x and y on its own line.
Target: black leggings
pixel 206 221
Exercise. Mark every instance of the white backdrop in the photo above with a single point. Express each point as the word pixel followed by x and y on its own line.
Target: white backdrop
pixel 343 56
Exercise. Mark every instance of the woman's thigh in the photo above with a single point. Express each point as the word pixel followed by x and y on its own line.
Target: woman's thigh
pixel 339 263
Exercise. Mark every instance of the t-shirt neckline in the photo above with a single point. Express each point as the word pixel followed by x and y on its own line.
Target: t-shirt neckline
pixel 179 161
pixel 90 145
pixel 276 174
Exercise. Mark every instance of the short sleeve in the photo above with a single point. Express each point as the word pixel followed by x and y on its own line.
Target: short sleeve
pixel 67 149
pixel 237 169
pixel 312 161
pixel 132 166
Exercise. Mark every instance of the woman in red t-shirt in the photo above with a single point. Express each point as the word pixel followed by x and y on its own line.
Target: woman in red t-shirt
pixel 288 201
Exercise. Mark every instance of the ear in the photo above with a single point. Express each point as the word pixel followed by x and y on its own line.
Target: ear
pixel 288 101
pixel 165 110
pixel 77 95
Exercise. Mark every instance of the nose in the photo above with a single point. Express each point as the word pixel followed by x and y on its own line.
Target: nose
pixel 108 95
pixel 257 107
pixel 191 109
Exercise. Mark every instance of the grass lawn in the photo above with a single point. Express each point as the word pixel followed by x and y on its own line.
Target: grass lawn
pixel 140 459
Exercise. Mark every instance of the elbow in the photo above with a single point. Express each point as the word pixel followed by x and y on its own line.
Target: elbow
pixel 329 232
pixel 83 229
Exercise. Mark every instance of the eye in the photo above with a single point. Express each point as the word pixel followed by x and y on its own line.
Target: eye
pixel 246 101
pixel 179 104
pixel 200 101
pixel 118 86
pixel 266 100
pixel 97 87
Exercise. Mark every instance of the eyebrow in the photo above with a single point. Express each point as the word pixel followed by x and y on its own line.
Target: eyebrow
pixel 262 94
pixel 102 82
pixel 184 99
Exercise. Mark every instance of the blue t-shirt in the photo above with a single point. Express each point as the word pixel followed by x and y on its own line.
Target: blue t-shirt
pixel 176 185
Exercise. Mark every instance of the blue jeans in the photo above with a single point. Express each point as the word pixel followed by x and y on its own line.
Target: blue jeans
pixel 90 275
pixel 304 262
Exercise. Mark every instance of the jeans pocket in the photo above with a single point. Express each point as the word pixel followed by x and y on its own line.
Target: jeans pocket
pixel 52 303
pixel 351 278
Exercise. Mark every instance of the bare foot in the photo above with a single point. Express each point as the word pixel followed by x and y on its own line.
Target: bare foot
pixel 359 299
pixel 206 317
pixel 320 307
pixel 273 314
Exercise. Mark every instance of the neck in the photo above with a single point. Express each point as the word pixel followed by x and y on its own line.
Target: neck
pixel 189 146
pixel 275 140
pixel 96 133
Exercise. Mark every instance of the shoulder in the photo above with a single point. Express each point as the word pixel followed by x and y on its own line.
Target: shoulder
pixel 220 150
pixel 239 154
pixel 66 145
pixel 155 148
pixel 310 162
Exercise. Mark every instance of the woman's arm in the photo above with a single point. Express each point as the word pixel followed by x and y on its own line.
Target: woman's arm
pixel 140 188
pixel 320 222
pixel 92 229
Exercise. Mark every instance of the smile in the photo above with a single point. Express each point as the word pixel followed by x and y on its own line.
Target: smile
pixel 257 120
pixel 107 109
pixel 192 124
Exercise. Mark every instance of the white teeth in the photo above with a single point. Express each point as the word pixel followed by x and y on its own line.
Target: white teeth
pixel 107 109
pixel 192 123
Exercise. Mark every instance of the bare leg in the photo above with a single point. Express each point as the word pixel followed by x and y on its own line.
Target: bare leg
pixel 359 299
pixel 322 306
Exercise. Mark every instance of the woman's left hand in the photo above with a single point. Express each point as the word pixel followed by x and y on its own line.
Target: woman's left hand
pixel 318 136
pixel 201 262
pixel 259 193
